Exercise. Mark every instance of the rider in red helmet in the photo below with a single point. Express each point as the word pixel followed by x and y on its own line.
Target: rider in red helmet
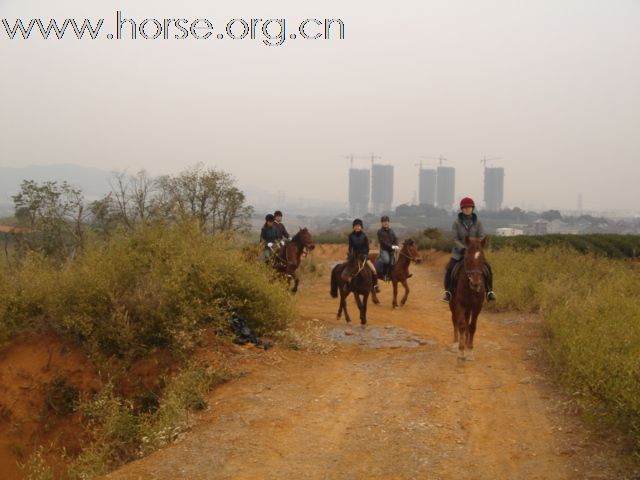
pixel 466 225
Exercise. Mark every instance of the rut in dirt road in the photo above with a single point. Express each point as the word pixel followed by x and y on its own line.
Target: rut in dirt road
pixel 391 404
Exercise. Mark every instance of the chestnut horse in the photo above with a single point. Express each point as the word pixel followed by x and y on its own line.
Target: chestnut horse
pixel 468 296
pixel 400 273
pixel 287 259
pixel 352 276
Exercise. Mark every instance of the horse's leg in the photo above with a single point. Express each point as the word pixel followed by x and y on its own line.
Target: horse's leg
pixel 461 325
pixel 296 282
pixel 374 296
pixel 406 291
pixel 356 296
pixel 344 294
pixel 363 312
pixel 452 307
pixel 394 303
pixel 340 304
pixel 468 342
pixel 472 328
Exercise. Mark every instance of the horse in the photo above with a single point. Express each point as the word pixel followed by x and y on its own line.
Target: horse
pixel 353 276
pixel 400 272
pixel 288 257
pixel 468 296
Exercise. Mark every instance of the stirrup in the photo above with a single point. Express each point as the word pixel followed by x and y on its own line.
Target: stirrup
pixel 491 296
pixel 447 296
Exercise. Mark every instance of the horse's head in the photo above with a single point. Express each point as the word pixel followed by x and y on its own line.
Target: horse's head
pixel 356 260
pixel 410 250
pixel 474 262
pixel 305 239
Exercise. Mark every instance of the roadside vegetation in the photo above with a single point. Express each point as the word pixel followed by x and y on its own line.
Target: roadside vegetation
pixel 146 272
pixel 592 318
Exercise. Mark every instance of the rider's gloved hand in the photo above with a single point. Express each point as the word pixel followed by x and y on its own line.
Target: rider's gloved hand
pixel 270 244
pixel 395 247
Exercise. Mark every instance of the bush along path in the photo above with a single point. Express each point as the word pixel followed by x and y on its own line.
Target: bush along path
pixel 393 403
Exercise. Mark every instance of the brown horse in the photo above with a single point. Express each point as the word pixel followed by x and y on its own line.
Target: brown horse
pixel 353 276
pixel 468 296
pixel 287 259
pixel 400 273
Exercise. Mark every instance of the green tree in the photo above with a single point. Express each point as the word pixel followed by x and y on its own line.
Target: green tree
pixel 54 214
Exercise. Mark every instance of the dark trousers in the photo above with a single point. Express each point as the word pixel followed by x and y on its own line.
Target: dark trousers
pixel 488 278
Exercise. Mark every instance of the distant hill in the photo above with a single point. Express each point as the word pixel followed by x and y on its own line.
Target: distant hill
pixel 93 181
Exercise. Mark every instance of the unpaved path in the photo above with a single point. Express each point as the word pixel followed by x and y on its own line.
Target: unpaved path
pixel 373 410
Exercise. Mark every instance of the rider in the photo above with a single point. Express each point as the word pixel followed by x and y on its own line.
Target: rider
pixel 359 244
pixel 282 231
pixel 466 225
pixel 388 244
pixel 268 235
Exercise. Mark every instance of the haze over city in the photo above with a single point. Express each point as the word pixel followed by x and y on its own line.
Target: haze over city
pixel 552 88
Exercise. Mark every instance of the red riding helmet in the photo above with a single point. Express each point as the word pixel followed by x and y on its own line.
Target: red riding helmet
pixel 467 202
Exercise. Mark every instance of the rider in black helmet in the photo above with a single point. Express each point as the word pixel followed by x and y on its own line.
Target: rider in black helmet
pixel 359 244
pixel 269 236
pixel 282 231
pixel 388 245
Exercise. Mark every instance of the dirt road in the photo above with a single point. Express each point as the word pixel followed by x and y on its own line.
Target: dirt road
pixel 392 404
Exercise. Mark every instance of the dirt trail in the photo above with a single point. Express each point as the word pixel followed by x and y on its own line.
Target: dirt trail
pixel 367 410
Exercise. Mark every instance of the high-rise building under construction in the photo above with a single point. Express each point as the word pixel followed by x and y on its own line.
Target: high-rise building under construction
pixel 445 187
pixel 427 187
pixel 381 188
pixel 359 186
pixel 493 188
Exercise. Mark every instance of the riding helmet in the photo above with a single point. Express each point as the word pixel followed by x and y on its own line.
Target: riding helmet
pixel 384 218
pixel 357 221
pixel 269 218
pixel 467 202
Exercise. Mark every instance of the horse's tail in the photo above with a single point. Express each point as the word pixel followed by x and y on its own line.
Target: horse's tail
pixel 334 281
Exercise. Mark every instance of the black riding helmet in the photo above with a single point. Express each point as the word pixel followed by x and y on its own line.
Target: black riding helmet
pixel 384 218
pixel 269 217
pixel 357 221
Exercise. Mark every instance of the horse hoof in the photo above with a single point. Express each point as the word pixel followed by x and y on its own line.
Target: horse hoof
pixel 454 346
pixel 460 354
pixel 469 356
pixel 348 331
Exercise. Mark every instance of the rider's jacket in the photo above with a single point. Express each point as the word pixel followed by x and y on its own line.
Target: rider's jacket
pixel 282 231
pixel 465 226
pixel 387 239
pixel 358 243
pixel 269 234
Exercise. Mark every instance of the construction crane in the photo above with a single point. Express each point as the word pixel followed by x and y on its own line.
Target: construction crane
pixel 484 160
pixel 440 159
pixel 371 157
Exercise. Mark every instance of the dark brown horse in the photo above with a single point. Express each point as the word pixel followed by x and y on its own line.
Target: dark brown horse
pixel 468 296
pixel 287 259
pixel 400 273
pixel 355 277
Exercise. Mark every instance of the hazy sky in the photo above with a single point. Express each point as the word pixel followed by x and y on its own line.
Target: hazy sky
pixel 551 86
